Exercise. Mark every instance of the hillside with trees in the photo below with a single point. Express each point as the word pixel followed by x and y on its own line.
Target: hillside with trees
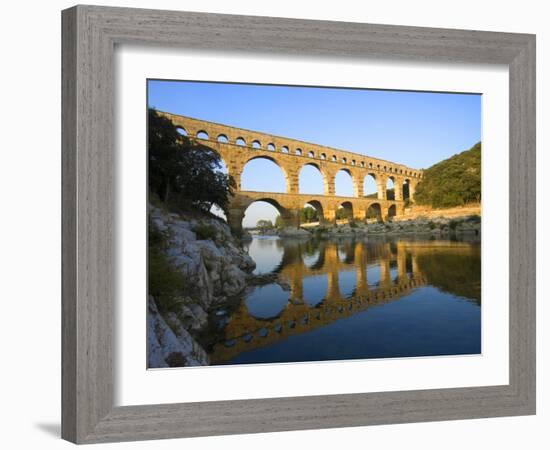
pixel 455 181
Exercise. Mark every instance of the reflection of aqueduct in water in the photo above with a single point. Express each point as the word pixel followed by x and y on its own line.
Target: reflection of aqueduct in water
pixel 238 146
pixel 398 275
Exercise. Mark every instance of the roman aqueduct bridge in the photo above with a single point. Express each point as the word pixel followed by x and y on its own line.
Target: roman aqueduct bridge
pixel 238 146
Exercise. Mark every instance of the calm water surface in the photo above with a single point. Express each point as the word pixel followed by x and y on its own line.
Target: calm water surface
pixel 354 299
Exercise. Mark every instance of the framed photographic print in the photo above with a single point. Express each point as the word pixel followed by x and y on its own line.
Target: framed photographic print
pixel 268 222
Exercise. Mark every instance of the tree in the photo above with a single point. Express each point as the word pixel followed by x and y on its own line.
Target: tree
pixel 264 225
pixel 308 215
pixel 279 223
pixel 184 173
pixel 343 213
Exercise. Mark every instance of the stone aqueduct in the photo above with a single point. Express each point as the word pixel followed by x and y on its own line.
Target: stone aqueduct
pixel 238 146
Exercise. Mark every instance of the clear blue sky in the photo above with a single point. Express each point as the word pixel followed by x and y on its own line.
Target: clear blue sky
pixel 413 128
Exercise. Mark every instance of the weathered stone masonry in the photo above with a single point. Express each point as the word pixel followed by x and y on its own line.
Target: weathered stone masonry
pixel 238 146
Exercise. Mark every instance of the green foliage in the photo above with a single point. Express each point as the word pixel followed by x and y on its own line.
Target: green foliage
pixel 184 173
pixel 204 231
pixel 308 215
pixel 165 283
pixel 279 223
pixel 343 213
pixel 264 225
pixel 452 182
pixel 453 224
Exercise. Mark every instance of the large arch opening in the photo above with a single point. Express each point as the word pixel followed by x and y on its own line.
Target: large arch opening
pixel 374 213
pixel 312 213
pixel 406 189
pixel 370 189
pixel 310 180
pixel 392 211
pixel 265 210
pixel 345 212
pixel 390 189
pixel 343 184
pixel 262 174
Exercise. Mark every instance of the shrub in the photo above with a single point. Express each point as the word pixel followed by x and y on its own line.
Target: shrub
pixel 165 282
pixel 205 232
pixel 453 224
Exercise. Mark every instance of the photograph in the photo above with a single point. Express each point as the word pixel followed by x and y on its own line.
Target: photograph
pixel 293 224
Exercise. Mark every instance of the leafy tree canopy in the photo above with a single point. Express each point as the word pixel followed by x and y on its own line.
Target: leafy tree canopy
pixel 452 182
pixel 182 172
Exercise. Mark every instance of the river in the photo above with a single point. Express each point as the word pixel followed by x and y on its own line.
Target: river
pixel 347 298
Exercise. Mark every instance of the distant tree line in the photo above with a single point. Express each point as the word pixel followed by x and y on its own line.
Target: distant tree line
pixel 452 182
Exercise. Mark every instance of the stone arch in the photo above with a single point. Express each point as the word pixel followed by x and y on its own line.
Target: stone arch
pixel 390 188
pixel 222 138
pixel 256 144
pixel 298 152
pixel 181 131
pixel 392 211
pixel 311 154
pixel 241 214
pixel 307 176
pixel 271 147
pixel 284 149
pixel 341 186
pixel 374 212
pixel 347 207
pixel 323 156
pixel 370 186
pixel 317 205
pixel 240 141
pixel 201 134
pixel 271 179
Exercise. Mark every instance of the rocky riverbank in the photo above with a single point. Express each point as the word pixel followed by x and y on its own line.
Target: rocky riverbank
pixel 423 226
pixel 437 227
pixel 212 267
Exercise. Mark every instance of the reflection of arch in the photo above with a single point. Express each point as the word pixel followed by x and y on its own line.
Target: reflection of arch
pixel 392 211
pixel 313 176
pixel 244 180
pixel 374 211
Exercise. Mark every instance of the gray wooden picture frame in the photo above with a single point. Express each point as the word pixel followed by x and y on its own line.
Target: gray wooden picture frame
pixel 90 34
